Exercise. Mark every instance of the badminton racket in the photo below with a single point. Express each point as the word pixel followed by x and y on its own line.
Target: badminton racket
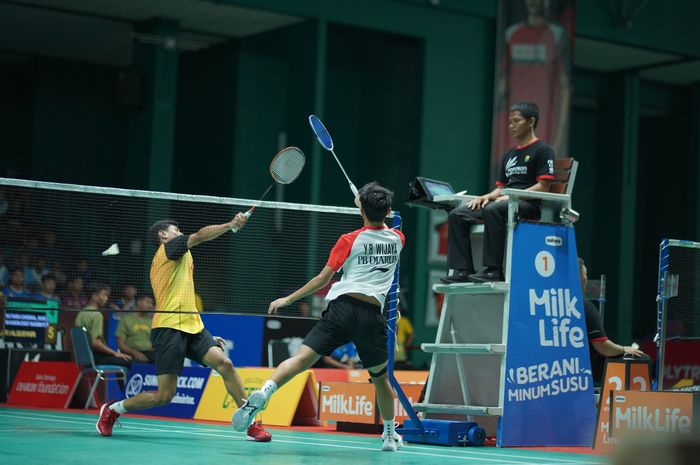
pixel 284 169
pixel 324 138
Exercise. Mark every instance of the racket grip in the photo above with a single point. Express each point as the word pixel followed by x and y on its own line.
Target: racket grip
pixel 353 189
pixel 247 215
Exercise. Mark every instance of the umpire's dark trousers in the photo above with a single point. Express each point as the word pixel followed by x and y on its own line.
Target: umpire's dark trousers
pixel 495 215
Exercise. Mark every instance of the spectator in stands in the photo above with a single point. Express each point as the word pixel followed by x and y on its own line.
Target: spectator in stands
pixel 30 248
pixel 84 271
pixel 599 346
pixel 92 319
pixel 48 289
pixel 16 289
pixel 75 298
pixel 4 272
pixel 49 251
pixel 59 274
pixel 32 279
pixel 134 331
pixel 11 228
pixel 128 300
pixel 40 267
pixel 528 166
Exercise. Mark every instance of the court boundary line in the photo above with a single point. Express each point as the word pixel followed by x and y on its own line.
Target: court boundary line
pixel 466 454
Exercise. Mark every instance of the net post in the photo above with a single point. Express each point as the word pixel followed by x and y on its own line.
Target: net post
pixel 391 343
pixel 661 313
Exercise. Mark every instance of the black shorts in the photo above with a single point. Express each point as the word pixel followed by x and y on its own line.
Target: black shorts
pixel 351 320
pixel 171 346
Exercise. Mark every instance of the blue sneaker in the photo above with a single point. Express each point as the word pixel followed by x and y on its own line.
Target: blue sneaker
pixel 245 415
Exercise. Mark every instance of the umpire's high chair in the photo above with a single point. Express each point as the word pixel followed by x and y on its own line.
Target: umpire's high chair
pixel 469 367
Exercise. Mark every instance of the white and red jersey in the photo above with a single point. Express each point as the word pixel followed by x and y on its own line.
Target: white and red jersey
pixel 368 258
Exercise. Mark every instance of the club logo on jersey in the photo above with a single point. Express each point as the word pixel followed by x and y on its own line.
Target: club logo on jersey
pixel 379 268
pixel 527 158
pixel 512 169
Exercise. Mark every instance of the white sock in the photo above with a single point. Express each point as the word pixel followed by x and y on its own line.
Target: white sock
pixel 269 388
pixel 389 427
pixel 118 407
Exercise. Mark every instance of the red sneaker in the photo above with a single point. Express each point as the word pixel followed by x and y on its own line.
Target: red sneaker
pixel 106 420
pixel 257 433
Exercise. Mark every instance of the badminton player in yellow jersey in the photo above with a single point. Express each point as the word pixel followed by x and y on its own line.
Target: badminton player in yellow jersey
pixel 181 333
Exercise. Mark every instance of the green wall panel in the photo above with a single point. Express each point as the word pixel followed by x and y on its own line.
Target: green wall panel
pixel 205 121
pixel 79 131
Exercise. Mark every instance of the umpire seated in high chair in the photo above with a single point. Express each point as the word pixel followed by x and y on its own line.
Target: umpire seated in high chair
pixel 528 166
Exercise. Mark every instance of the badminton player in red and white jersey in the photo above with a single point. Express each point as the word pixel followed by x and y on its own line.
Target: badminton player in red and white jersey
pixel 368 258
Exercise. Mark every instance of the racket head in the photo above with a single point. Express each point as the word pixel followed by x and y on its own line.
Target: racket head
pixel 322 134
pixel 287 165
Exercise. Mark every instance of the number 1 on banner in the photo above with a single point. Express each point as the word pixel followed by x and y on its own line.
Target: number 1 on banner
pixel 545 264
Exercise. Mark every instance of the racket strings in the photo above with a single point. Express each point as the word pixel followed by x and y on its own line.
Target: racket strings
pixel 287 166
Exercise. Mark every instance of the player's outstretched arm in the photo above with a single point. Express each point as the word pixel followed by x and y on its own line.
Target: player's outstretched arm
pixel 315 284
pixel 208 233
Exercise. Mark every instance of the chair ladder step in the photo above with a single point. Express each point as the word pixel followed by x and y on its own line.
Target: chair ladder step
pixel 496 287
pixel 458 409
pixel 464 348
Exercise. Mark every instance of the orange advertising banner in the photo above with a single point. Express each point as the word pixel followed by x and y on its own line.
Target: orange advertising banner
pixel 402 376
pixel 411 377
pixel 353 402
pixel 412 392
pixel 356 402
pixel 619 375
pixel 634 412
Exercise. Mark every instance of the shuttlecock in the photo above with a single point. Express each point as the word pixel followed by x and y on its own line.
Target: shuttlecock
pixel 112 250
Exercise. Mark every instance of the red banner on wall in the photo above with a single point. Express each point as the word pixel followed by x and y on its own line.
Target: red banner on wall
pixel 43 384
pixel 533 62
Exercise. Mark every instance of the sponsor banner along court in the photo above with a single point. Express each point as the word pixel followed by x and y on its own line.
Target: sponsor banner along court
pixel 293 403
pixel 44 384
pixel 190 386
pixel 357 402
pixel 658 412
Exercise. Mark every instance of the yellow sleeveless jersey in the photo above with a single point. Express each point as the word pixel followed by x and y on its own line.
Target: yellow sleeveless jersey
pixel 173 287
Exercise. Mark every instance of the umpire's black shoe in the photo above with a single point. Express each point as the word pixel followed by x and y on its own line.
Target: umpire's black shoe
pixel 488 275
pixel 459 276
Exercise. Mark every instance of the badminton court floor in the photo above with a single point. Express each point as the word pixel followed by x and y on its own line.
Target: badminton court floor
pixel 34 437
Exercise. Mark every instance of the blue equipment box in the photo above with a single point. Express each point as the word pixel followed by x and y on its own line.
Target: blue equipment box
pixel 446 433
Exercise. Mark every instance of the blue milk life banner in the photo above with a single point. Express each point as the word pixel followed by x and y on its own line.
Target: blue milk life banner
pixel 190 386
pixel 548 398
